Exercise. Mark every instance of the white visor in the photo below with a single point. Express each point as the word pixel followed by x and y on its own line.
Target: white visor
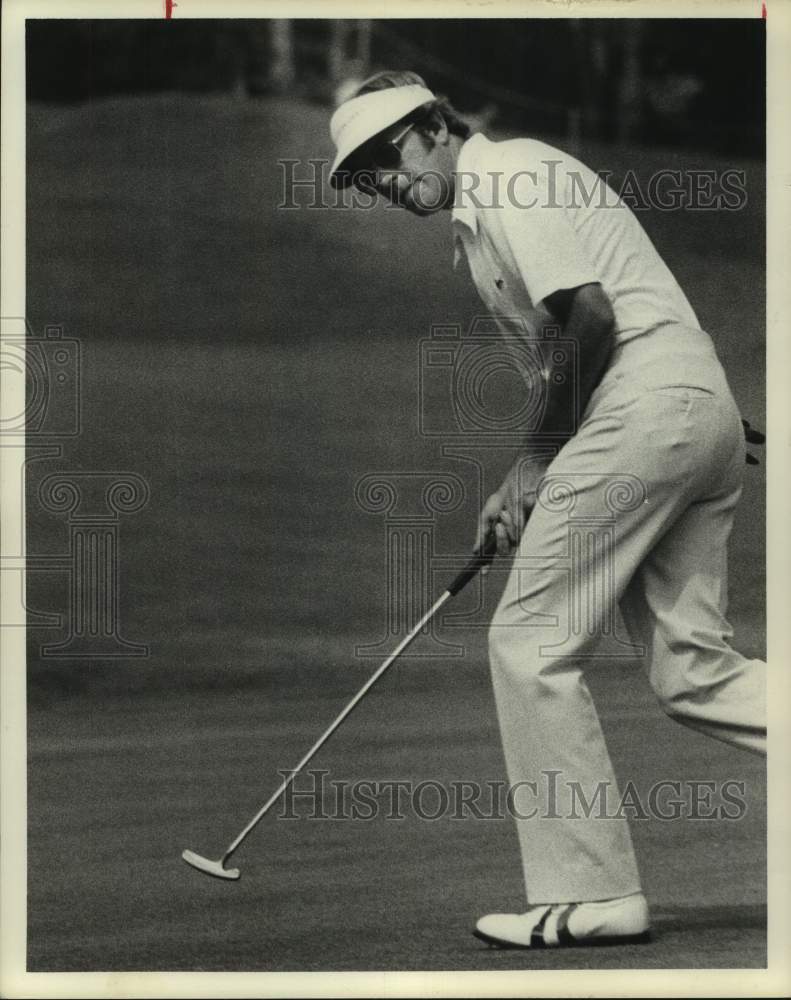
pixel 361 118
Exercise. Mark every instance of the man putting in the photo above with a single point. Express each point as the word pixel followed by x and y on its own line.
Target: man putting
pixel 657 448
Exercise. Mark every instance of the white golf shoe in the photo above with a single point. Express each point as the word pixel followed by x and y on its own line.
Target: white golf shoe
pixel 613 921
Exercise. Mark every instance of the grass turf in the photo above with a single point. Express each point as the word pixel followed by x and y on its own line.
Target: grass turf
pixel 253 364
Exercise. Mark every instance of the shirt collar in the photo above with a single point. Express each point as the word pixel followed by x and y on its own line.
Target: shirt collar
pixel 465 208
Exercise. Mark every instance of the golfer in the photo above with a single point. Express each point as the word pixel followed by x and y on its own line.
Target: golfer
pixel 651 466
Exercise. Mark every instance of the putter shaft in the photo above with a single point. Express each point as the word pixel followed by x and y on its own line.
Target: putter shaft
pixel 334 725
pixel 476 563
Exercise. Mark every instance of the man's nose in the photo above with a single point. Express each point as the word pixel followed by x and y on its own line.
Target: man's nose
pixel 393 183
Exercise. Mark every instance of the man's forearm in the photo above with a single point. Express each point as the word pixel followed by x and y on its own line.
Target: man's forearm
pixel 569 378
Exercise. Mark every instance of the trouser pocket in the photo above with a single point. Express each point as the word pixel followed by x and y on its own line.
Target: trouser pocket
pixel 682 391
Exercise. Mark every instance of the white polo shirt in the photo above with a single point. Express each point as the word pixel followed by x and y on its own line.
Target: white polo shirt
pixel 533 220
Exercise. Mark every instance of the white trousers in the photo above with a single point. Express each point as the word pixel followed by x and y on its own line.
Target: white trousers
pixel 635 510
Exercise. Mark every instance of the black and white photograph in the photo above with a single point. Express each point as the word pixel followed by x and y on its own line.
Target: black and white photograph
pixel 390 410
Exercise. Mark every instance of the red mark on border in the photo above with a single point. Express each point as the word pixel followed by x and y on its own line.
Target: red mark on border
pixel 763 11
pixel 169 5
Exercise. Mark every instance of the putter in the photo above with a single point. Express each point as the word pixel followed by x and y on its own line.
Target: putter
pixel 217 868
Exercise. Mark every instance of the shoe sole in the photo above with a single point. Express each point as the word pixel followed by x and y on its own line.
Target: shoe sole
pixel 644 937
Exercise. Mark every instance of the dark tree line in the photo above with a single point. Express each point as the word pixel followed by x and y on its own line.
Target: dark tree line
pixel 691 83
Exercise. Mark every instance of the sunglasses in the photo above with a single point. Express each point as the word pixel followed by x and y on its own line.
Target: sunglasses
pixel 387 155
pixel 384 156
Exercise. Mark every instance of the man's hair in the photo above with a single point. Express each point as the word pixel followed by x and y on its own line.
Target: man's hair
pixel 405 78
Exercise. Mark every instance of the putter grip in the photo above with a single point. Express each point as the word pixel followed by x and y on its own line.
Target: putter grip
pixel 478 561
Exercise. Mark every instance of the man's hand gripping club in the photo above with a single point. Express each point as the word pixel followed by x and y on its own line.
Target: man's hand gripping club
pixel 506 512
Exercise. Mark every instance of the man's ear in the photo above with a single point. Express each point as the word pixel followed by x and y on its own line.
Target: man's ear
pixel 435 128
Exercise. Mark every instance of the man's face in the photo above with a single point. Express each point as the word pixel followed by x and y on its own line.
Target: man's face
pixel 410 166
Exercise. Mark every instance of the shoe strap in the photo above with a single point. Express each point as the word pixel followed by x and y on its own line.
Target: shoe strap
pixel 565 936
pixel 537 934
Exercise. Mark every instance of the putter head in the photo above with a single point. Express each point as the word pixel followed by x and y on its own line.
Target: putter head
pixel 214 868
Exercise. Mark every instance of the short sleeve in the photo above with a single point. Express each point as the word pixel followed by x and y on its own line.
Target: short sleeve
pixel 538 229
